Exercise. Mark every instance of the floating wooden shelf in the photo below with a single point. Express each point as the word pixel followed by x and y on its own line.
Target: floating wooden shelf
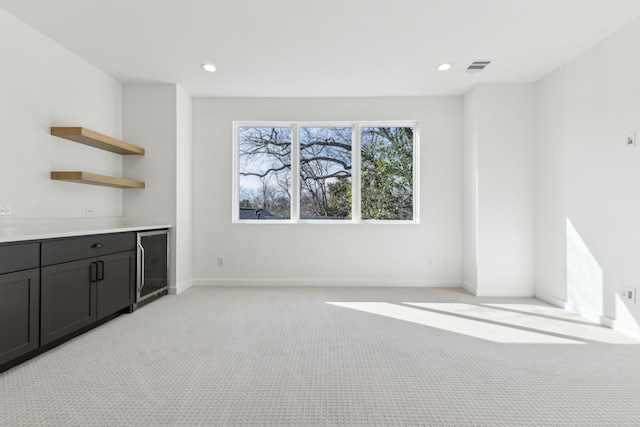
pixel 95 179
pixel 96 140
pixel 103 142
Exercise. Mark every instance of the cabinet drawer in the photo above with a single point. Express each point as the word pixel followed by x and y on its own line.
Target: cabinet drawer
pixel 74 248
pixel 17 257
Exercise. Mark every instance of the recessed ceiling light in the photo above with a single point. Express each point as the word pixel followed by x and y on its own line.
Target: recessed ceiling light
pixel 208 67
pixel 444 67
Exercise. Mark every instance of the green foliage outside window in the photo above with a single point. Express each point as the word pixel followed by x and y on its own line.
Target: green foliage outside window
pixel 387 173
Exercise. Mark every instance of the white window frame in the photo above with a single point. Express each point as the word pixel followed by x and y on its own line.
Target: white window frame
pixel 356 201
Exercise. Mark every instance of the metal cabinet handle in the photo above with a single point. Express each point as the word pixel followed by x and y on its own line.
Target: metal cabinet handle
pixel 94 272
pixel 141 281
pixel 97 245
pixel 100 270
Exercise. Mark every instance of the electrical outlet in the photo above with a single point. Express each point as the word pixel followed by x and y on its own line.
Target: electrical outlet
pixel 430 261
pixel 90 211
pixel 6 211
pixel 445 262
pixel 628 294
pixel 631 139
pixel 220 261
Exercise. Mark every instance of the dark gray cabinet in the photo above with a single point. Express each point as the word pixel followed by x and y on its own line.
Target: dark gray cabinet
pixel 55 289
pixel 68 299
pixel 19 300
pixel 83 281
pixel 116 284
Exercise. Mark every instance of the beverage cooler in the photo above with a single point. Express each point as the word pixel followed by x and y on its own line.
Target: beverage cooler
pixel 152 280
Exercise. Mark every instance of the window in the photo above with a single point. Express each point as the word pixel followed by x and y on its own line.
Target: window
pixel 265 172
pixel 386 173
pixel 325 172
pixel 336 172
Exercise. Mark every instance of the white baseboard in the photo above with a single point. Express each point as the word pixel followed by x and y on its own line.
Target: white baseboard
pixel 515 293
pixel 551 300
pixel 505 293
pixel 181 287
pixel 479 292
pixel 469 288
pixel 622 327
pixel 586 313
pixel 325 283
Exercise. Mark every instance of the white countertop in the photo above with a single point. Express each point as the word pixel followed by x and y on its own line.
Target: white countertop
pixel 39 229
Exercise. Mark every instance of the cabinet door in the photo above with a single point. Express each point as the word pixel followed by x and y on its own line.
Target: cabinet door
pixel 19 313
pixel 116 275
pixel 153 262
pixel 68 300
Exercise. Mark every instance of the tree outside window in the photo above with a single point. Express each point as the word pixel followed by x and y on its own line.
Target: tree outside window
pixel 387 173
pixel 324 169
pixel 265 172
pixel 325 172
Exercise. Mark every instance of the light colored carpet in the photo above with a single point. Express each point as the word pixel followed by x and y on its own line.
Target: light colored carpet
pixel 332 356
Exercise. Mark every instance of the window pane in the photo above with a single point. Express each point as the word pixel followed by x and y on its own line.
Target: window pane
pixel 265 173
pixel 325 173
pixel 387 173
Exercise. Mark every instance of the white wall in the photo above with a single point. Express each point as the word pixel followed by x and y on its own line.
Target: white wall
pixel 587 228
pixel 44 85
pixel 184 184
pixel 158 118
pixel 325 254
pixel 149 120
pixel 499 190
pixel 470 192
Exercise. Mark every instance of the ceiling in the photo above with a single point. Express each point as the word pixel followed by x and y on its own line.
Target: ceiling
pixel 305 48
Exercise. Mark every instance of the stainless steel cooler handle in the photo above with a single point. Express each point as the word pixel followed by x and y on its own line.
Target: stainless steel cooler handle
pixel 141 281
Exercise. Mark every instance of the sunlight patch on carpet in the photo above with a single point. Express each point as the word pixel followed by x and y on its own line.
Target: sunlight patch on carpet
pixel 456 324
pixel 503 315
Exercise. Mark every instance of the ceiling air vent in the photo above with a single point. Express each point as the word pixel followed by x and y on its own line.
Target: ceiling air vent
pixel 477 66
